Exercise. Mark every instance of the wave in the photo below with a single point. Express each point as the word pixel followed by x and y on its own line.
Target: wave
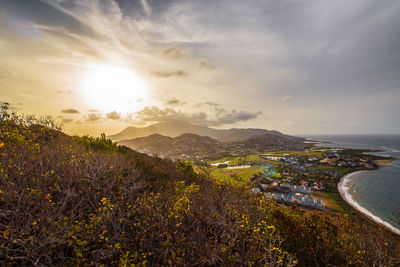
pixel 344 187
pixel 391 149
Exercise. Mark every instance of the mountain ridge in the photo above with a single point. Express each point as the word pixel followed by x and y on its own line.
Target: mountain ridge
pixel 177 128
pixel 193 146
pixel 183 146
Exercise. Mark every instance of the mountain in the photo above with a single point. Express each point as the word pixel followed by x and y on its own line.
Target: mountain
pixel 269 141
pixel 175 128
pixel 184 146
pixel 193 146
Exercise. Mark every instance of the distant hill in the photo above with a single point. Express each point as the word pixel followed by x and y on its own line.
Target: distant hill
pixel 184 146
pixel 193 146
pixel 267 141
pixel 176 128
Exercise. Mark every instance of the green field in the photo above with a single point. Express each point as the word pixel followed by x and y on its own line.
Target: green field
pixel 234 161
pixel 335 198
pixel 243 176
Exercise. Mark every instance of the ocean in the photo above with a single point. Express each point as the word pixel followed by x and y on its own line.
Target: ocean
pixel 376 193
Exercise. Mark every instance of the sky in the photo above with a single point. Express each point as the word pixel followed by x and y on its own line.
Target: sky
pixel 299 67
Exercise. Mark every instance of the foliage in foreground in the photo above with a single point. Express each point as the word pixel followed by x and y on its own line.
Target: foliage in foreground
pixel 87 201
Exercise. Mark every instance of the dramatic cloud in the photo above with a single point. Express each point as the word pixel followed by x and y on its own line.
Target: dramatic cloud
pixel 223 118
pixel 166 74
pixel 155 114
pixel 70 111
pixel 218 117
pixel 251 56
pixel 113 115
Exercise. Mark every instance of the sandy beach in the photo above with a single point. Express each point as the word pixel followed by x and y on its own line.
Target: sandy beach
pixel 345 185
pixel 383 162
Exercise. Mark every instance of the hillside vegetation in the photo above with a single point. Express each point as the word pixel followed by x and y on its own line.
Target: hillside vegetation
pixel 183 146
pixel 86 201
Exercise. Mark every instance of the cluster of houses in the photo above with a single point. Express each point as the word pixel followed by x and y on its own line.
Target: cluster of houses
pixel 297 188
pixel 297 196
pixel 298 199
pixel 335 160
pixel 305 187
pixel 284 158
pixel 310 171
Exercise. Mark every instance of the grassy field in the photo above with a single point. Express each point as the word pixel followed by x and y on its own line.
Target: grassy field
pixel 335 198
pixel 240 159
pixel 243 176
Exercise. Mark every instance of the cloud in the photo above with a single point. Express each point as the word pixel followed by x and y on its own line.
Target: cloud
pixel 218 117
pixel 225 117
pixel 113 115
pixel 258 51
pixel 287 98
pixel 93 117
pixel 146 7
pixel 174 52
pixel 166 74
pixel 175 102
pixel 155 114
pixel 207 103
pixel 70 111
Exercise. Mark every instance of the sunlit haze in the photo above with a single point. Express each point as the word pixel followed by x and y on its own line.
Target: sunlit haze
pixel 109 88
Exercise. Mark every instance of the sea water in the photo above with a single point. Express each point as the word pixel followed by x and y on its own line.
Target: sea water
pixel 377 192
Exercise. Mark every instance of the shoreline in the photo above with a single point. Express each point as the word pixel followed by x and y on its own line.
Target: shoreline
pixel 383 162
pixel 346 197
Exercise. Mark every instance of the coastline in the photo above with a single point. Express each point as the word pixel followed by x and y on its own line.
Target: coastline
pixel 342 188
pixel 383 162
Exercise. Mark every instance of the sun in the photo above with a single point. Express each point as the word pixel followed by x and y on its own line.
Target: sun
pixel 111 88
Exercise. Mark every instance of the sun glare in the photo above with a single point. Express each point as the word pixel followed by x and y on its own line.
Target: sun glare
pixel 109 88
